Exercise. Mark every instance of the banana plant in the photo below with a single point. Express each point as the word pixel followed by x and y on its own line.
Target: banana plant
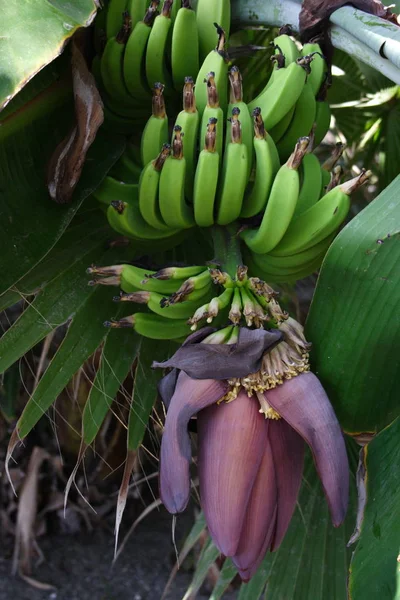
pixel 155 198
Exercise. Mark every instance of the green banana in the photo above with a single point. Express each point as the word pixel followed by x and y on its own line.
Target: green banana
pixel 280 128
pixel 301 123
pixel 189 120
pixel 321 220
pixel 114 17
pixel 111 189
pixel 322 121
pixel 209 12
pixel 127 219
pixel 267 166
pixel 99 31
pixel 277 99
pixel 213 111
pixel 174 210
pixel 206 178
pixel 234 175
pixel 199 273
pixel 112 66
pixel 153 326
pixel 215 62
pixel 136 10
pixel 287 265
pixel 126 170
pixel 155 133
pixel 154 301
pixel 311 182
pixel 135 55
pixel 156 67
pixel 236 101
pixel 149 188
pixel 284 44
pixel 132 279
pixel 184 45
pixel 318 67
pixel 285 277
pixel 281 204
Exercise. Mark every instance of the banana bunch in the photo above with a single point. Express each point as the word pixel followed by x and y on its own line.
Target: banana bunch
pixel 140 42
pixel 291 245
pixel 179 298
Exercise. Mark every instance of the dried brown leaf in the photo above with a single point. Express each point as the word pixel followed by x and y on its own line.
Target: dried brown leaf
pixel 130 464
pixel 27 511
pixel 67 162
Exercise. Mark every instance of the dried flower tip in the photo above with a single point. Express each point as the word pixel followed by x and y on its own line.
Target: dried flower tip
pixel 266 409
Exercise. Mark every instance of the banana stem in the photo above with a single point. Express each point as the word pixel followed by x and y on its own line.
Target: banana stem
pixel 227 248
pixel 281 12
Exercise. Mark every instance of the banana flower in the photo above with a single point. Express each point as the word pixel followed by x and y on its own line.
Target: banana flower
pixel 251 433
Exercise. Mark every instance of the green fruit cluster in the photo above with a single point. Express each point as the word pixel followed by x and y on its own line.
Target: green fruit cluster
pixel 215 159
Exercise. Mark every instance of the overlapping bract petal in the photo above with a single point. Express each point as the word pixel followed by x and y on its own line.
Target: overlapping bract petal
pixel 304 405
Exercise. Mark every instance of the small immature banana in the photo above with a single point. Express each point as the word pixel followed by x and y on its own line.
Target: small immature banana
pixel 112 65
pixel 155 133
pixel 234 175
pixel 189 120
pixel 236 101
pixel 153 326
pixel 206 178
pixel 154 301
pixel 267 166
pixel 301 123
pixel 148 190
pixel 321 220
pixel 135 55
pixel 213 111
pixel 183 273
pixel 209 12
pixel 184 45
pixel 132 279
pixel 311 181
pixel 281 204
pixel 174 210
pixel 156 67
pixel 215 62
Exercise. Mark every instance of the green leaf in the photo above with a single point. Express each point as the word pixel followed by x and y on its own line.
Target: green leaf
pixel 375 560
pixel 145 388
pixel 227 574
pixel 30 222
pixel 81 234
pixel 32 34
pixel 354 321
pixel 208 556
pixel 84 335
pixel 59 300
pixel 117 357
pixel 9 389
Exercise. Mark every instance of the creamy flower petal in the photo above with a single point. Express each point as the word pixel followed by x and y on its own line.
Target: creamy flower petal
pixel 232 438
pixel 190 396
pixel 288 454
pixel 303 403
pixel 260 520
